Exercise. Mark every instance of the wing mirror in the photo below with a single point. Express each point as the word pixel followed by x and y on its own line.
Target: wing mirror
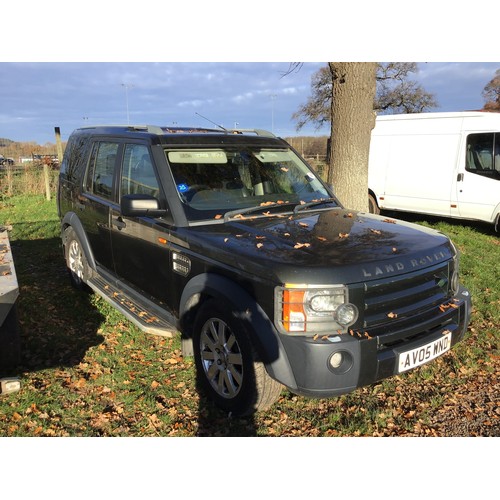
pixel 141 205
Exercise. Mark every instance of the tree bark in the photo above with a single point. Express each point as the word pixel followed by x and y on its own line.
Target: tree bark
pixel 353 118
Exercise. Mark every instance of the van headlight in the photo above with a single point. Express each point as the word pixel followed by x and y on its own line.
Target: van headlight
pixel 303 309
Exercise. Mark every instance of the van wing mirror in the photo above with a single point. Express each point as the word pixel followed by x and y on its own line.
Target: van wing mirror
pixel 141 205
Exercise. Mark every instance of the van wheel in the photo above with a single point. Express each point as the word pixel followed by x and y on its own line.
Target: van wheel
pixel 76 262
pixel 227 367
pixel 372 205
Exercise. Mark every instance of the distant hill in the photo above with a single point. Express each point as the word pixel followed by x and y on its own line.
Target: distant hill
pixel 5 142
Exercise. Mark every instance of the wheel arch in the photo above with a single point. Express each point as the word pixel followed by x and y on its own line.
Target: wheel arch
pixel 267 343
pixel 72 220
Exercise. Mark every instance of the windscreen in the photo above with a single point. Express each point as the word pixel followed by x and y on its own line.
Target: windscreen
pixel 215 181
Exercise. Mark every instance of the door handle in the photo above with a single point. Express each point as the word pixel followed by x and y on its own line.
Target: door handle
pixel 460 177
pixel 119 223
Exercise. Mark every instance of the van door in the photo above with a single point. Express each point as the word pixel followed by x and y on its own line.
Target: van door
pixel 420 173
pixel 478 180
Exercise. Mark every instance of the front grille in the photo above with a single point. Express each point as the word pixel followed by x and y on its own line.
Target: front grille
pixel 401 302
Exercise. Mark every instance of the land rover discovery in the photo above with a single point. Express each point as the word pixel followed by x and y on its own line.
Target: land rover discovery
pixel 232 240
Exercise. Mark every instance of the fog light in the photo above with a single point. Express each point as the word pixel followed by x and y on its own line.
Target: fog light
pixel 336 359
pixel 340 362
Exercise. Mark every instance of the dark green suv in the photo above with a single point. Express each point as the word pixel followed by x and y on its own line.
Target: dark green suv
pixel 231 239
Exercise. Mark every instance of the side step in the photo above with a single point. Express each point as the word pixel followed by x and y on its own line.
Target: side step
pixel 146 315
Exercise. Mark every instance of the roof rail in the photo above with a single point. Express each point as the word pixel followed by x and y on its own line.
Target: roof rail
pixel 152 129
pixel 257 131
pixel 155 129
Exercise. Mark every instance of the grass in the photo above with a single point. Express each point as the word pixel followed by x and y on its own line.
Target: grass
pixel 87 371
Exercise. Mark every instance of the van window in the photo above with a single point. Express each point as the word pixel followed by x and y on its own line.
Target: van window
pixel 138 175
pixel 101 169
pixel 483 155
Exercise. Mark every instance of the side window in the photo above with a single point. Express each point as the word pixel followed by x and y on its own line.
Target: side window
pixel 138 175
pixel 101 169
pixel 483 154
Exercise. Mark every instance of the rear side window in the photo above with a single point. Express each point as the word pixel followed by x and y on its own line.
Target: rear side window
pixel 483 155
pixel 101 169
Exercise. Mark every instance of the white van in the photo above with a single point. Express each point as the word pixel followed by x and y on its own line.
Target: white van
pixel 445 164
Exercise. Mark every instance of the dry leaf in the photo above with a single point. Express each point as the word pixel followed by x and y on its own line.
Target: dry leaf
pixel 343 235
pixel 218 216
pixel 303 224
pixel 260 245
pixel 392 315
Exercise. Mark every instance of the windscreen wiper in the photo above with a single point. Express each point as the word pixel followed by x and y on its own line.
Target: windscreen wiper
pixel 243 211
pixel 313 203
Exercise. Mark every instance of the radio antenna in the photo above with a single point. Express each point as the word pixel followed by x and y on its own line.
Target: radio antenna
pixel 213 123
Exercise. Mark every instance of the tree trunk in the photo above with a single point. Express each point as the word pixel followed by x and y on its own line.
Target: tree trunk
pixel 353 118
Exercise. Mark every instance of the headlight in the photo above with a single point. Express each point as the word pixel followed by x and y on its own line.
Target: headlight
pixel 453 273
pixel 313 310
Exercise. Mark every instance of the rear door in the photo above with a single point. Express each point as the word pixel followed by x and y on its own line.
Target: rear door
pixel 97 199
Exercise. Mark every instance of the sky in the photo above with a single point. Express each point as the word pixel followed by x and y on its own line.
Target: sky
pixel 35 97
pixel 202 63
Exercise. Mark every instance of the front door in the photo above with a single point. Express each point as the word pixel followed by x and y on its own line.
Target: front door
pixel 478 185
pixel 140 243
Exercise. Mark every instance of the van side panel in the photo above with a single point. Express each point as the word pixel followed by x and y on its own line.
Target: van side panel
pixel 417 164
pixel 420 173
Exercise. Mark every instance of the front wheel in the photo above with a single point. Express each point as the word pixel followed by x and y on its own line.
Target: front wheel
pixel 372 205
pixel 227 366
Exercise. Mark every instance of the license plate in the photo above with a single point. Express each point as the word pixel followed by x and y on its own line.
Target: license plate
pixel 420 355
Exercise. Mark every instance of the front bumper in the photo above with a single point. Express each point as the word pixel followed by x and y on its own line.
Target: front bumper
pixel 366 360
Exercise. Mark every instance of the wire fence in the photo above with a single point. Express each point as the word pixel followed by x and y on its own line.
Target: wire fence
pixel 28 179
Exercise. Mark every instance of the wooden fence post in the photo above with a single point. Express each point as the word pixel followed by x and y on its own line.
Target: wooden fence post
pixel 47 180
pixel 57 131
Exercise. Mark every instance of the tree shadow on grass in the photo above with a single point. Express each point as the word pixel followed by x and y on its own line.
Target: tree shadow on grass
pixel 57 323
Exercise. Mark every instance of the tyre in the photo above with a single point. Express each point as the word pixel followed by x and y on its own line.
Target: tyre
pixel 227 367
pixel 76 262
pixel 372 205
